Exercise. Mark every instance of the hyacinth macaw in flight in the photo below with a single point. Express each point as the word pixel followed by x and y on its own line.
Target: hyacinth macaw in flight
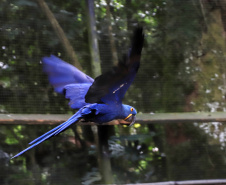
pixel 98 100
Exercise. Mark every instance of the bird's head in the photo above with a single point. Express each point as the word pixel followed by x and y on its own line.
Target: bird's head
pixel 129 114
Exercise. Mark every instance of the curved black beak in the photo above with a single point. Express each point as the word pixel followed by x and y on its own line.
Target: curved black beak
pixel 131 119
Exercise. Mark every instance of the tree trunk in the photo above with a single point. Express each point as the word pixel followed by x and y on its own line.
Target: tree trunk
pixel 60 33
pixel 102 131
pixel 111 38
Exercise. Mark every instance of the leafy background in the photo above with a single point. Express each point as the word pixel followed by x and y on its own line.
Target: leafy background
pixel 182 70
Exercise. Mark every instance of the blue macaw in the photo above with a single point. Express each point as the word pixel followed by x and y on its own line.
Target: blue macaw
pixel 98 100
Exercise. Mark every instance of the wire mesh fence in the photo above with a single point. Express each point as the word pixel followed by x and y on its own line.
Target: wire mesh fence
pixel 182 70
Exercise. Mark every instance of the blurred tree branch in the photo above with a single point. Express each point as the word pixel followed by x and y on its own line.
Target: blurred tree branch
pixel 93 40
pixel 60 33
pixel 111 38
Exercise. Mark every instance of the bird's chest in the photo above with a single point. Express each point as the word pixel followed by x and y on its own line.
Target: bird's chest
pixel 101 113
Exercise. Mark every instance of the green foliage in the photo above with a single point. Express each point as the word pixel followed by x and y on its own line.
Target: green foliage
pixel 26 37
pixel 182 59
pixel 25 42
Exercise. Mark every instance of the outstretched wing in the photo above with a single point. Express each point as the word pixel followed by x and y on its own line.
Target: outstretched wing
pixel 76 93
pixel 111 86
pixel 61 73
pixel 67 79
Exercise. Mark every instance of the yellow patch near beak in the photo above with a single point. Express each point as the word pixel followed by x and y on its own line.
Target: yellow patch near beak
pixel 128 117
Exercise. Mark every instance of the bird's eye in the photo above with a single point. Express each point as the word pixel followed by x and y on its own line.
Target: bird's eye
pixel 131 109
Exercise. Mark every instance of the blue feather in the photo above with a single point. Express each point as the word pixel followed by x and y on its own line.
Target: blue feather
pixel 111 86
pixel 60 128
pixel 61 73
pixel 76 93
pixel 67 79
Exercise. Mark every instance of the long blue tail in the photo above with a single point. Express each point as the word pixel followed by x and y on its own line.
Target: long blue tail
pixel 73 119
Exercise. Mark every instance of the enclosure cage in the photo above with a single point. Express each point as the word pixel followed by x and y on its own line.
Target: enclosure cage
pixel 179 92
